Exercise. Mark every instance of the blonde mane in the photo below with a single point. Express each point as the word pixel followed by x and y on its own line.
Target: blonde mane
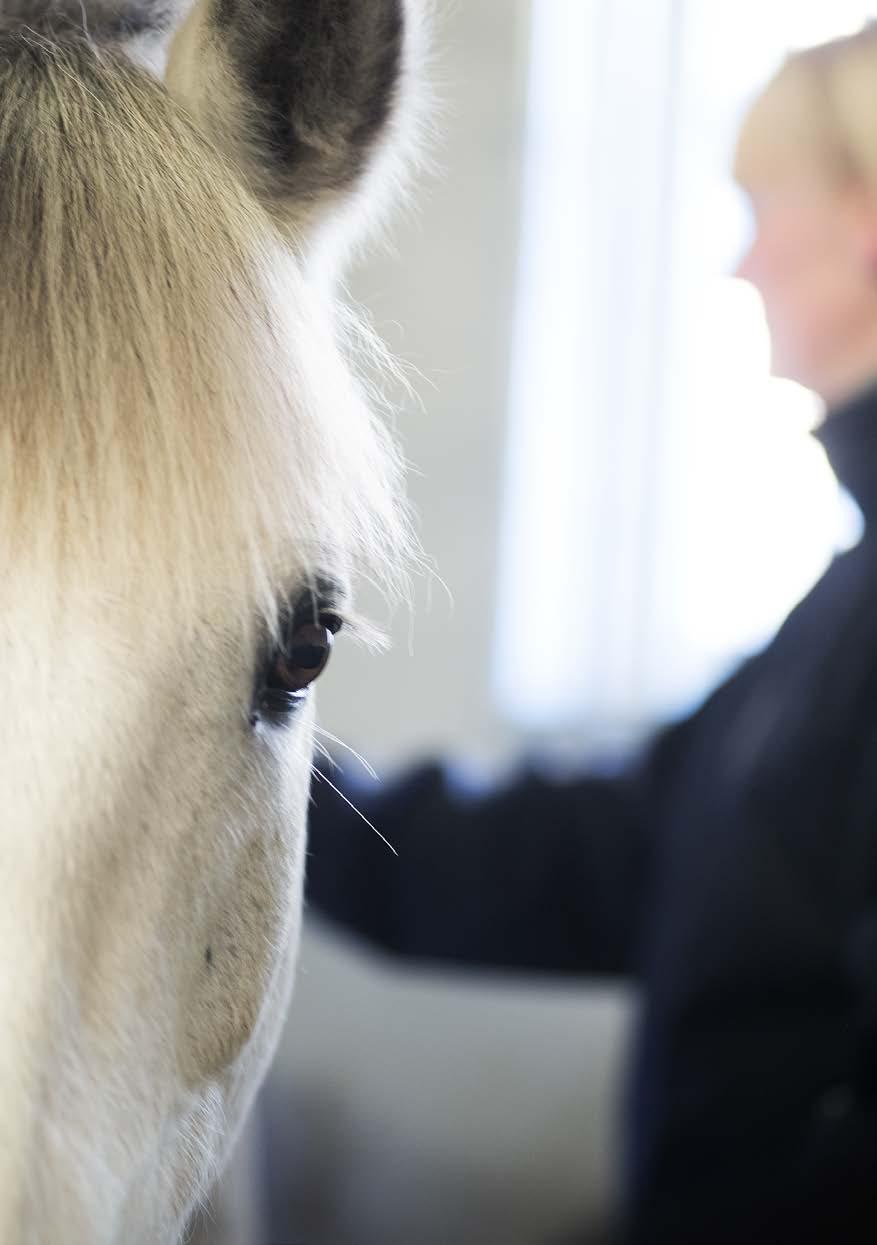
pixel 175 418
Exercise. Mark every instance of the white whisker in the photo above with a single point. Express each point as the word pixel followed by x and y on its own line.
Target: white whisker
pixel 369 769
pixel 322 777
pixel 325 753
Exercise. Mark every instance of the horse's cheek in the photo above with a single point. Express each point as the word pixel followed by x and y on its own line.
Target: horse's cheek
pixel 241 980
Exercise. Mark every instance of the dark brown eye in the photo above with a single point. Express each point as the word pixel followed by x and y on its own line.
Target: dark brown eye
pixel 292 665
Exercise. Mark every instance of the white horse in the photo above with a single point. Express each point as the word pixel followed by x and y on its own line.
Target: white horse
pixel 189 477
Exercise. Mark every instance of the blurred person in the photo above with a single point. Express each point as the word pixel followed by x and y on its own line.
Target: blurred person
pixel 732 870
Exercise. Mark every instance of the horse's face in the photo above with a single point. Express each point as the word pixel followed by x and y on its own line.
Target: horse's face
pixel 188 478
pixel 157 818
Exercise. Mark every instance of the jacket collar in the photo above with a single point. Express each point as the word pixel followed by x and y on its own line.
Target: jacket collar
pixel 849 438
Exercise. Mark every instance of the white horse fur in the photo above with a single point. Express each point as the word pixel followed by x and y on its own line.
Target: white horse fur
pixel 184 459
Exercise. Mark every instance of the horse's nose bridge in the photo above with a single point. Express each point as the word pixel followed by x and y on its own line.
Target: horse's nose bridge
pixel 84 693
pixel 79 890
pixel 44 1067
pixel 92 964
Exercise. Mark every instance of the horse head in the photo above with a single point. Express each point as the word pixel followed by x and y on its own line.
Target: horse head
pixel 190 483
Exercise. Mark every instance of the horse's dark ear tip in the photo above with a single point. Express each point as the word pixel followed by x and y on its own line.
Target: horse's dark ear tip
pixel 224 12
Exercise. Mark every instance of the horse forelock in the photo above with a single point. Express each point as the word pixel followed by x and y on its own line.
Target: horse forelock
pixel 176 422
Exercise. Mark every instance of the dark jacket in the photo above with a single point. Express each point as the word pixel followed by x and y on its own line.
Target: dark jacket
pixel 733 872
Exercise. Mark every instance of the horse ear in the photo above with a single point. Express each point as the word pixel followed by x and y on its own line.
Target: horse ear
pixel 306 96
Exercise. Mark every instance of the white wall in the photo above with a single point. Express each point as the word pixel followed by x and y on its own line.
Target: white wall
pixel 443 299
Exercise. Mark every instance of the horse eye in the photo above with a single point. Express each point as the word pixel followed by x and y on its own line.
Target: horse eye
pixel 293 664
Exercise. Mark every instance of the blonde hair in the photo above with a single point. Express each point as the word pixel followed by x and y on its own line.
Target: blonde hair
pixel 174 414
pixel 820 111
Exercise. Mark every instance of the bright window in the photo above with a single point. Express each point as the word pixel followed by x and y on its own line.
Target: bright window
pixel 666 506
